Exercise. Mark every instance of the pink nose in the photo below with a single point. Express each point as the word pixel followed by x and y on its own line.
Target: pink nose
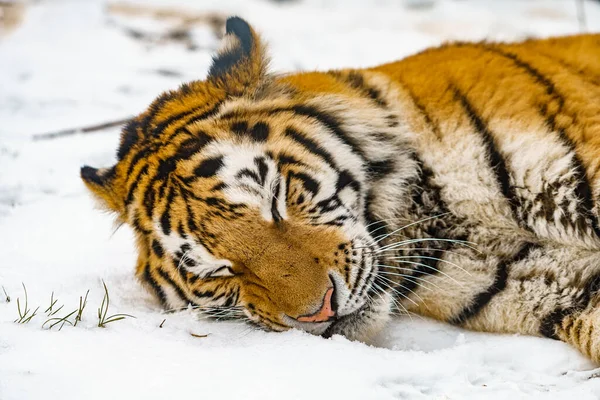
pixel 325 313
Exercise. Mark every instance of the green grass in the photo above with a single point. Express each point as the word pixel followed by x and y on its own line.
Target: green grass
pixel 58 320
pixel 103 319
pixel 72 318
pixel 82 304
pixel 50 311
pixel 25 315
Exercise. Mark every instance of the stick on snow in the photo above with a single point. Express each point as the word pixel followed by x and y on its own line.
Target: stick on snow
pixel 85 129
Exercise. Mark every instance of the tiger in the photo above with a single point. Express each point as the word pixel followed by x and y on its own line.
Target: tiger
pixel 460 184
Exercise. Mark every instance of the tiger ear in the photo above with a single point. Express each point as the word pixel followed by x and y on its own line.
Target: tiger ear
pixel 102 183
pixel 241 63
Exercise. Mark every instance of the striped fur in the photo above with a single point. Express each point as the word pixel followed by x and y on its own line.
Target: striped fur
pixel 460 183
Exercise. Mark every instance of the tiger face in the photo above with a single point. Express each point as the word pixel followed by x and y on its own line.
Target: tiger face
pixel 243 197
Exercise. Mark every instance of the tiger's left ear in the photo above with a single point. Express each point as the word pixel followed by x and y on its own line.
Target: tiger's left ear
pixel 102 183
pixel 241 64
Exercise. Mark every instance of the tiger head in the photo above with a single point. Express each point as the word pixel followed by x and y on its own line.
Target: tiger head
pixel 247 193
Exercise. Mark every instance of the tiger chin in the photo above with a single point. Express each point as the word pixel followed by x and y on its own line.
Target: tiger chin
pixel 460 183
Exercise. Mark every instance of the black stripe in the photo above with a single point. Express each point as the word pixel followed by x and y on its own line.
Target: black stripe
pixel 137 225
pixel 204 294
pixel 345 179
pixel 163 172
pixel 134 185
pixel 284 159
pixel 263 169
pixel 308 183
pixel 159 128
pixel 129 138
pixel 538 77
pixel 140 155
pixel 551 321
pixel 157 289
pixel 311 146
pixel 368 284
pixel 208 167
pixel 165 218
pixel 259 132
pixel 240 128
pixel 333 125
pixel 228 302
pixel 554 319
pixel 380 169
pixel 483 298
pixel 327 120
pixel 185 151
pixel 496 161
pixel 191 146
pixel 424 113
pixel 426 196
pixel 357 81
pixel 583 189
pixel 581 72
pixel 219 187
pixel 153 110
pixel 361 272
pixel 157 248
pixel 175 286
pixel 248 173
pixel 204 115
pixel 150 197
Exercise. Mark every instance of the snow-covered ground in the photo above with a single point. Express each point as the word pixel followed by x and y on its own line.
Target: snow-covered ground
pixel 80 62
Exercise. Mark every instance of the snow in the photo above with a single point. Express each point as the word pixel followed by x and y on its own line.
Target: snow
pixel 71 63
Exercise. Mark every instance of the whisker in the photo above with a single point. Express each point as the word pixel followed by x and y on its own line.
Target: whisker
pixel 383 237
pixel 182 259
pixel 247 331
pixel 430 249
pixel 396 267
pixel 400 293
pixel 410 277
pixel 431 258
pixel 410 241
pixel 429 267
pixel 394 301
pixel 396 245
pixel 197 307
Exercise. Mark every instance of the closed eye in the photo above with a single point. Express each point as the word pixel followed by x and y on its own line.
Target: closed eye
pixel 221 271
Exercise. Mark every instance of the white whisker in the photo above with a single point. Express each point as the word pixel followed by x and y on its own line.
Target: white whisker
pixel 410 241
pixel 400 293
pixel 432 249
pixel 415 277
pixel 429 267
pixel 430 258
pixel 396 303
pixel 383 237
pixel 410 278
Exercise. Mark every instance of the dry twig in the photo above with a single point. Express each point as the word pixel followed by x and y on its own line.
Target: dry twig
pixel 85 129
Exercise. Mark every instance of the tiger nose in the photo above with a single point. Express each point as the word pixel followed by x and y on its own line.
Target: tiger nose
pixel 327 311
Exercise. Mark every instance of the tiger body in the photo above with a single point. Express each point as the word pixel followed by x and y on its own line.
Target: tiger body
pixel 460 183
